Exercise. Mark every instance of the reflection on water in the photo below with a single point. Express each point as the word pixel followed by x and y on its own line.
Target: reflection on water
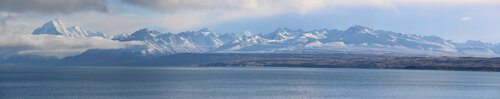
pixel 243 82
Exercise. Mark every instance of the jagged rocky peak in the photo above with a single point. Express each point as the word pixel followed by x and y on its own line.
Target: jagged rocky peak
pixel 281 30
pixel 279 34
pixel 201 33
pixel 359 29
pixel 206 31
pixel 139 35
pixel 228 37
pixel 75 28
pixel 247 33
pixel 288 30
pixel 145 31
pixel 53 27
pixel 57 27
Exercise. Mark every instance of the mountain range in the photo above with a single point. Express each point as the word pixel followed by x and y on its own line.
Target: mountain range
pixel 356 39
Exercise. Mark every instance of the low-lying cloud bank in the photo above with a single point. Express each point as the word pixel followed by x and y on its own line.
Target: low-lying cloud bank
pixel 56 45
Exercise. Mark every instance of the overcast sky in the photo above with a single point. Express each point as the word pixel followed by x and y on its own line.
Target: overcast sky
pixel 458 20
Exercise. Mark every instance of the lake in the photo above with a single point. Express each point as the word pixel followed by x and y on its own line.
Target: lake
pixel 243 82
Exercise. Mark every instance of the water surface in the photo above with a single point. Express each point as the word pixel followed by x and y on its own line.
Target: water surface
pixel 243 82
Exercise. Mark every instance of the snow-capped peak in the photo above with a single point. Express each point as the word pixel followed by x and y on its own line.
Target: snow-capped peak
pixel 53 27
pixel 75 28
pixel 247 33
pixel 57 27
pixel 355 38
pixel 145 31
pixel 139 35
pixel 204 31
pixel 359 29
pixel 280 34
pixel 282 30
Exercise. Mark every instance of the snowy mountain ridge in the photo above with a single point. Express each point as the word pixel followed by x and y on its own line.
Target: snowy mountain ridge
pixel 169 43
pixel 358 39
pixel 57 27
pixel 354 39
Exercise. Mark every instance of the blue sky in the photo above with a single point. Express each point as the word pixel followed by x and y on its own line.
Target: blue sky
pixel 458 20
pixel 429 18
pixel 480 21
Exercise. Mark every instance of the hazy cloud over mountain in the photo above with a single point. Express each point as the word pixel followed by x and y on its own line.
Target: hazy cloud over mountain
pixel 56 45
pixel 14 39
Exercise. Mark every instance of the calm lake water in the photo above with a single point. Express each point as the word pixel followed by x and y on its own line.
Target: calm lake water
pixel 243 82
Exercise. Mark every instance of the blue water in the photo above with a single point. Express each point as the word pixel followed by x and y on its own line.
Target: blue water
pixel 243 82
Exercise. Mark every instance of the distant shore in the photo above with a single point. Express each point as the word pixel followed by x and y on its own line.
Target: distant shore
pixel 331 60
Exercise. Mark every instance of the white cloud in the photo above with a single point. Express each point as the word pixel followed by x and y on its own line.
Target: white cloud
pixel 465 18
pixel 173 6
pixel 447 1
pixel 180 15
pixel 16 38
pixel 52 6
pixel 55 45
pixel 300 6
pixel 110 23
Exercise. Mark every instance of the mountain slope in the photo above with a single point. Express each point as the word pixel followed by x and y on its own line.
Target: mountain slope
pixel 57 27
pixel 356 39
pixel 168 43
